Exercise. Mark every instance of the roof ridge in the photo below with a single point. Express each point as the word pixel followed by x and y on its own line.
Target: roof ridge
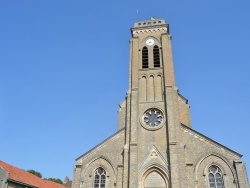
pixel 21 176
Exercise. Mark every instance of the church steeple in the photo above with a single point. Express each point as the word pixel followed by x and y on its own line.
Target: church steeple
pixel 155 109
pixel 155 145
pixel 151 52
pixel 152 86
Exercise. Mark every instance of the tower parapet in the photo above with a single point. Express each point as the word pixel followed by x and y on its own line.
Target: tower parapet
pixel 148 26
pixel 152 23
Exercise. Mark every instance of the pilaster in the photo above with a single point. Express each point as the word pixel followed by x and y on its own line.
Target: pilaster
pixel 242 174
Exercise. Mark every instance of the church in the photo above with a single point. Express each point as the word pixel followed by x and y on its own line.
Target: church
pixel 155 145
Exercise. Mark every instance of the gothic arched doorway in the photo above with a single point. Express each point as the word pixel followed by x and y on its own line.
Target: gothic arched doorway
pixel 154 179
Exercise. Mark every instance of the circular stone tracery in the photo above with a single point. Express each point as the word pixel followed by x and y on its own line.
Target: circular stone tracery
pixel 152 118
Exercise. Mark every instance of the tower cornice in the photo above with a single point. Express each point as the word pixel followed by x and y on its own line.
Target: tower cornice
pixel 143 30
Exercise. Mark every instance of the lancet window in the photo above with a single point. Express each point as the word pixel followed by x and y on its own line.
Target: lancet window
pixel 156 53
pixel 100 178
pixel 215 177
pixel 144 57
pixel 151 57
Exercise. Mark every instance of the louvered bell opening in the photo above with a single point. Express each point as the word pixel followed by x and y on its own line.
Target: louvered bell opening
pixel 156 52
pixel 144 57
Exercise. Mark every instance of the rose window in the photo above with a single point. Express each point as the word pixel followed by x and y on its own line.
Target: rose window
pixel 153 117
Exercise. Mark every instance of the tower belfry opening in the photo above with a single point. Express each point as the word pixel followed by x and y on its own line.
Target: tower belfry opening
pixel 155 145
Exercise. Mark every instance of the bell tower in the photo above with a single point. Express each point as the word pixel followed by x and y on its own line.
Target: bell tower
pixel 155 146
pixel 153 116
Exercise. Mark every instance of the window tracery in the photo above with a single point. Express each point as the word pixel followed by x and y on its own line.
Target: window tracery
pixel 215 177
pixel 100 178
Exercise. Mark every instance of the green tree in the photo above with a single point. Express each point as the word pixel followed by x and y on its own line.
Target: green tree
pixel 38 174
pixel 57 180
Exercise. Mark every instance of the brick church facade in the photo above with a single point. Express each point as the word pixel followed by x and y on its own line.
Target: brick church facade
pixel 155 145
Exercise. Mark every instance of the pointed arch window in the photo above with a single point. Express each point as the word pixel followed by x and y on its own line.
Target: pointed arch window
pixel 100 178
pixel 215 177
pixel 144 57
pixel 156 52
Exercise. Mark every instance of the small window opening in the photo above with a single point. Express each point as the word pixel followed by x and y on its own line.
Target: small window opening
pixel 144 57
pixel 156 52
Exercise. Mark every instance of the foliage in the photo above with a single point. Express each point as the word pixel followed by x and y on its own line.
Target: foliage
pixel 57 180
pixel 38 174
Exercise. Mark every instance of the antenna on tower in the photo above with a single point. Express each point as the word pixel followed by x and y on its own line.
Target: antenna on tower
pixel 137 15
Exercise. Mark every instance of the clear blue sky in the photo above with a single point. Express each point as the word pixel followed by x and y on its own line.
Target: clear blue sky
pixel 64 70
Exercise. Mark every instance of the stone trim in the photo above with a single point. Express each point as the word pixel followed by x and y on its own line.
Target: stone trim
pixel 153 30
pixel 209 140
pixel 173 143
pixel 182 98
pixel 148 159
pixel 222 169
pixel 154 167
pixel 106 140
pixel 102 166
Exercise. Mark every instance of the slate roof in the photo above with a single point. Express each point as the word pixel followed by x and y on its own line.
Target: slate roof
pixel 19 175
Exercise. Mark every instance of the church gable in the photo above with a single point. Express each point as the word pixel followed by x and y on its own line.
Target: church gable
pixel 154 167
pixel 154 157
pixel 206 143
pixel 208 158
pixel 112 147
pixel 100 162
